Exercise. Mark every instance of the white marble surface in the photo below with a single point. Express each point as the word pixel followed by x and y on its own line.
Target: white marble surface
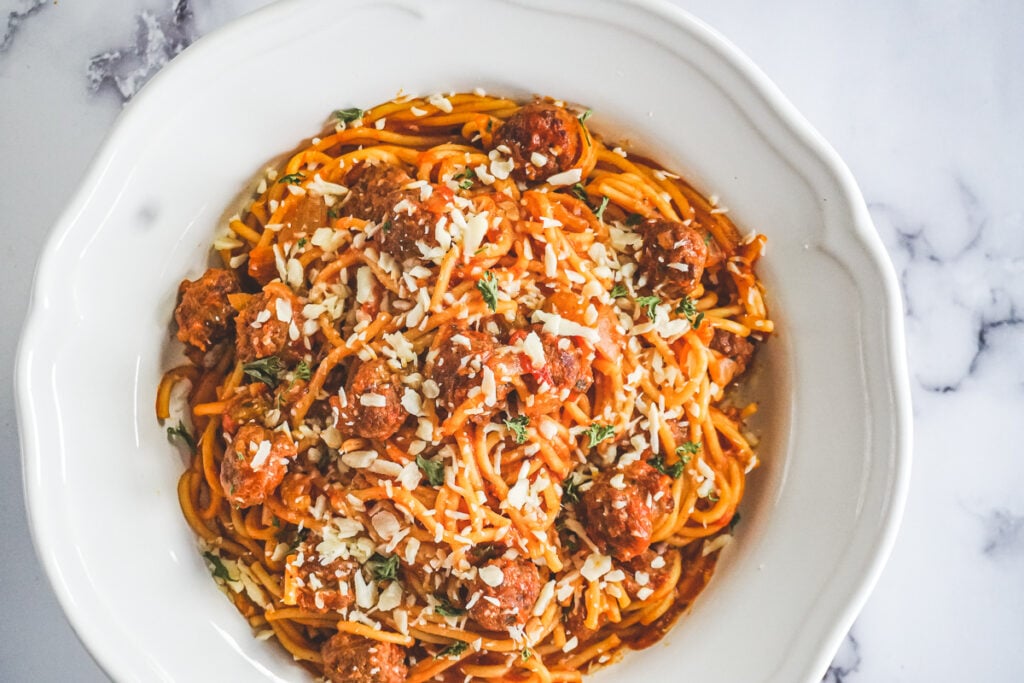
pixel 923 99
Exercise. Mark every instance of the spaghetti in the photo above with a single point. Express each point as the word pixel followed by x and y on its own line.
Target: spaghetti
pixel 458 395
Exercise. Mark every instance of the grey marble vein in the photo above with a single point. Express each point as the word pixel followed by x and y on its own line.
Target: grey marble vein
pixel 16 17
pixel 846 662
pixel 159 38
pixel 1005 534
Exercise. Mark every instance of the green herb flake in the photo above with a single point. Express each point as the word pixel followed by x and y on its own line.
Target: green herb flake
pixel 688 308
pixel 182 433
pixel 303 371
pixel 291 179
pixel 598 432
pixel 648 304
pixel 527 653
pixel 433 470
pixel 333 213
pixel 600 210
pixel 675 470
pixel 453 651
pixel 219 570
pixel 586 115
pixel 619 291
pixel 570 490
pixel 349 115
pixel 386 227
pixel 488 286
pixel 517 425
pixel 689 447
pixel 467 175
pixel 267 370
pixel 713 497
pixel 301 243
pixel 580 193
pixel 384 568
pixel 446 609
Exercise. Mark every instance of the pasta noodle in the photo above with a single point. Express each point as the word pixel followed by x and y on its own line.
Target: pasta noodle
pixel 459 395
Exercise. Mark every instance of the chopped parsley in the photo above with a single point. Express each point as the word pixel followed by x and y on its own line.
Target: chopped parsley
pixel 467 175
pixel 688 308
pixel 349 115
pixel 570 490
pixel 433 470
pixel 599 213
pixel 658 462
pixel 598 432
pixel 303 371
pixel 301 243
pixel 453 650
pixel 384 568
pixel 619 291
pixel 267 370
pixel 291 178
pixel 517 425
pixel 713 497
pixel 219 570
pixel 386 227
pixel 648 303
pixel 333 213
pixel 585 115
pixel 182 433
pixel 488 286
pixel 580 193
pixel 687 448
pixel 527 653
pixel 446 609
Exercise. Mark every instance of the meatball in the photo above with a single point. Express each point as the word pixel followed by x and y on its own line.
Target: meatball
pixel 672 254
pixel 350 658
pixel 319 587
pixel 250 404
pixel 509 602
pixel 621 507
pixel 565 373
pixel 542 140
pixel 268 326
pixel 204 314
pixel 460 362
pixel 646 571
pixel 379 194
pixel 737 351
pixel 374 402
pixel 254 464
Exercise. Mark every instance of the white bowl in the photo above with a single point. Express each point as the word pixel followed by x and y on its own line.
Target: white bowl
pixel 822 512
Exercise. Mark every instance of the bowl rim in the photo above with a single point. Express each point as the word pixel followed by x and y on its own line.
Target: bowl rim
pixel 721 49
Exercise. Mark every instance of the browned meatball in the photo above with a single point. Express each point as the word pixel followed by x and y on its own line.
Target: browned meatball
pixel 350 658
pixel 261 330
pixel 317 587
pixel 621 507
pixel 372 383
pixel 545 130
pixel 508 603
pixel 250 404
pixel 457 362
pixel 645 571
pixel 254 464
pixel 566 373
pixel 204 313
pixel 379 194
pixel 737 351
pixel 672 254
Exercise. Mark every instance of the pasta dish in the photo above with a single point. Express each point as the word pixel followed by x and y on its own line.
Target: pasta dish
pixel 456 394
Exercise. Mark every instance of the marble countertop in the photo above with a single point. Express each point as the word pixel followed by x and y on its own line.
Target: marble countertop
pixel 924 101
